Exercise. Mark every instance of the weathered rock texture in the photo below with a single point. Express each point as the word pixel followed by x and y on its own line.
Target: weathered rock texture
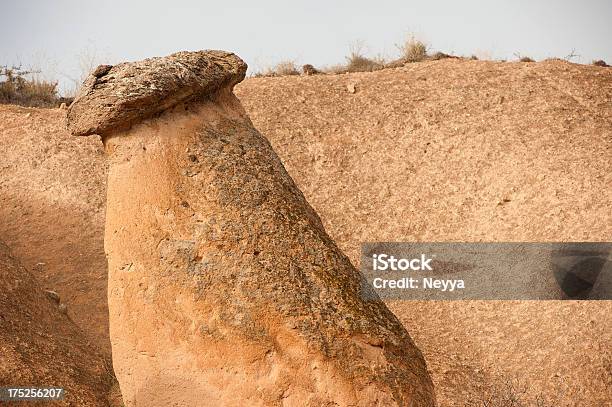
pixel 223 284
pixel 113 98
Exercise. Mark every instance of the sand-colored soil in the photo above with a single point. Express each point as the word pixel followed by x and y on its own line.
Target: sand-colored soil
pixel 52 198
pixel 463 151
pixel 40 346
pixel 445 150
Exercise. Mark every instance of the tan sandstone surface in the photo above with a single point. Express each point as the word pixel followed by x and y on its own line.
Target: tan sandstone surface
pixel 441 150
pixel 223 285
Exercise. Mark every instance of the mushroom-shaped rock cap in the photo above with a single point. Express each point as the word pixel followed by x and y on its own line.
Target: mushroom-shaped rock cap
pixel 114 98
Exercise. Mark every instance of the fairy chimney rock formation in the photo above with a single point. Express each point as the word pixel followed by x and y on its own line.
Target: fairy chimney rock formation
pixel 224 288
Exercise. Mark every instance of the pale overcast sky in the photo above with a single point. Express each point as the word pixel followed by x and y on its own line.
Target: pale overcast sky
pixel 53 34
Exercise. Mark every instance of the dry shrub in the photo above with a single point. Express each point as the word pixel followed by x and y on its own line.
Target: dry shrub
pixel 474 58
pixel 285 68
pixel 358 62
pixel 522 58
pixel 599 62
pixel 16 88
pixel 309 69
pixel 571 55
pixel 413 50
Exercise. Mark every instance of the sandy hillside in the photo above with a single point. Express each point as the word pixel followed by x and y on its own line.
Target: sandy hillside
pixel 41 346
pixel 52 195
pixel 444 150
pixel 458 150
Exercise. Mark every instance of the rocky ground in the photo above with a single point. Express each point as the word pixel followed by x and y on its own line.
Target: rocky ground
pixel 448 150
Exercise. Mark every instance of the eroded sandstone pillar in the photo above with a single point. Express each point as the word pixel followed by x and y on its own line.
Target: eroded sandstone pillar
pixel 224 288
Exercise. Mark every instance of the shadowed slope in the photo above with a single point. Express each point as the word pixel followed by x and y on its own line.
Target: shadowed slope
pixel 41 347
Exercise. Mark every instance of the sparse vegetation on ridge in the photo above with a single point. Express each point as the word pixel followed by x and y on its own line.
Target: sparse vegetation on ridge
pixel 283 68
pixel 410 51
pixel 358 62
pixel 286 68
pixel 413 50
pixel 522 58
pixel 19 88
